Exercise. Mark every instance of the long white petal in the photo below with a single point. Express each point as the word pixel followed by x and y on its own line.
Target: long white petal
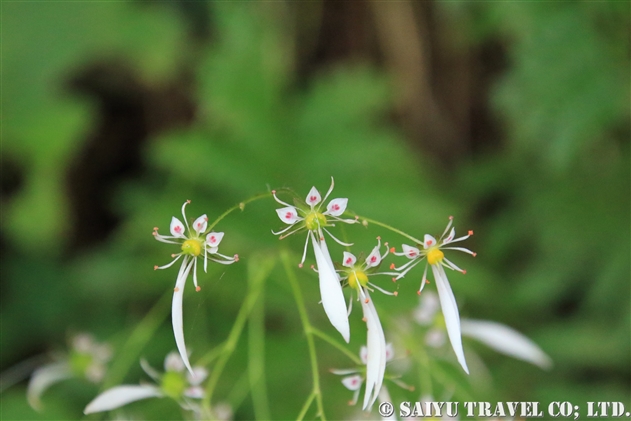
pixel 506 340
pixel 376 359
pixel 176 311
pixel 43 378
pixel 450 311
pixel 331 289
pixel 121 395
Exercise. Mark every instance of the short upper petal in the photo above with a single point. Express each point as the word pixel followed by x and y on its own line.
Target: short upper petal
pixel 121 395
pixel 374 258
pixel 173 362
pixel 410 252
pixel 506 340
pixel 214 238
pixel 200 224
pixel 363 354
pixel 389 352
pixel 428 241
pixel 336 207
pixel 349 259
pixel 353 382
pixel 177 228
pixel 450 237
pixel 313 198
pixel 288 215
pixel 197 377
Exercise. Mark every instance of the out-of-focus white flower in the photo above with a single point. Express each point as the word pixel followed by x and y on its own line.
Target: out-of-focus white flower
pixel 87 359
pixel 355 377
pixel 497 336
pixel 175 383
pixel 309 216
pixel 194 242
pixel 432 249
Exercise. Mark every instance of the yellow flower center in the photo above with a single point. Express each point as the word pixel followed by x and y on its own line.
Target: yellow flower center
pixel 315 220
pixel 192 247
pixel 357 276
pixel 434 256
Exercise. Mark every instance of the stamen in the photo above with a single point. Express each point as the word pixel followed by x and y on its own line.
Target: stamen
pixel 197 288
pixel 278 200
pixel 304 251
pixel 155 267
pixel 336 239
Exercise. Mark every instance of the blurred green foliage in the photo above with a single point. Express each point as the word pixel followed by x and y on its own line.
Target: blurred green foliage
pixel 550 207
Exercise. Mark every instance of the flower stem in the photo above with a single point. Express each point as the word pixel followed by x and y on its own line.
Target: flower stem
pixel 256 280
pixel 239 205
pixel 386 226
pixel 306 325
pixel 336 344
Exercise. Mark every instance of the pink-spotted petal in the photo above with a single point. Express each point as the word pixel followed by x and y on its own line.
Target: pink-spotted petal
pixel 213 239
pixel 428 241
pixel 313 198
pixel 121 395
pixel 200 224
pixel 336 207
pixel 410 252
pixel 177 228
pixel 374 258
pixel 288 215
pixel 450 237
pixel 363 354
pixel 349 259
pixel 389 352
pixel 353 382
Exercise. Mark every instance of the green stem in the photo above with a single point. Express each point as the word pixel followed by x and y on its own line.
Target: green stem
pixel 256 359
pixel 240 205
pixel 259 269
pixel 306 406
pixel 386 226
pixel 306 325
pixel 336 344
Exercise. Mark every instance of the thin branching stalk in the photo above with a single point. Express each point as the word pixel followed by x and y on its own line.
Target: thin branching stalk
pixel 306 325
pixel 386 226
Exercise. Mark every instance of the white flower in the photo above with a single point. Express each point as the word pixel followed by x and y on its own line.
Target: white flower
pixel 356 275
pixel 174 383
pixel 432 249
pixel 87 359
pixel 312 218
pixel 194 242
pixel 497 336
pixel 355 377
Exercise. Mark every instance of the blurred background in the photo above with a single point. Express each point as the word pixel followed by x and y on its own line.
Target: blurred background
pixel 511 116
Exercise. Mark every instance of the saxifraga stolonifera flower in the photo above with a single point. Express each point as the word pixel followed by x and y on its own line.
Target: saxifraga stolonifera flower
pixel 309 216
pixel 195 242
pixel 356 277
pixel 432 250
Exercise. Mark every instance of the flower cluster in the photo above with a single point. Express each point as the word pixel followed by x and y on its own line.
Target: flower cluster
pixel 432 251
pixel 309 216
pixel 194 243
pixel 87 359
pixel 174 383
